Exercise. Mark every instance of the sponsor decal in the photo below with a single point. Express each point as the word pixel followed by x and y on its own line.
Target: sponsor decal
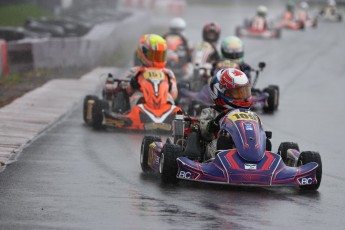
pixel 116 123
pixel 248 126
pixel 305 180
pixel 185 175
pixel 250 166
pixel 162 126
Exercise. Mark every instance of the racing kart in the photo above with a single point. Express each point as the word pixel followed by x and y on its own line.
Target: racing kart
pixel 329 15
pixel 177 57
pixel 248 30
pixel 289 21
pixel 192 101
pixel 244 155
pixel 149 110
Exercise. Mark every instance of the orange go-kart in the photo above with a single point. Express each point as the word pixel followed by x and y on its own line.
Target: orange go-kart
pixel 148 109
pixel 289 21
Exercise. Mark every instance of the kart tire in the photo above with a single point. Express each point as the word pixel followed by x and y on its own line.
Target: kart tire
pixel 278 33
pixel 277 95
pixel 311 156
pixel 167 163
pixel 97 113
pixel 283 147
pixel 86 100
pixel 340 18
pixel 144 152
pixel 270 100
pixel 238 31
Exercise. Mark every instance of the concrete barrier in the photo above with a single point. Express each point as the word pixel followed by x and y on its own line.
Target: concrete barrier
pixel 166 7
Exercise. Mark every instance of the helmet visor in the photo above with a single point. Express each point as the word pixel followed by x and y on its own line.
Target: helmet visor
pixel 157 55
pixel 233 55
pixel 238 93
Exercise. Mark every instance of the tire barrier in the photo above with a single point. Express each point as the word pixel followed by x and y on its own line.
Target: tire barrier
pixel 3 59
pixel 86 51
pixel 20 56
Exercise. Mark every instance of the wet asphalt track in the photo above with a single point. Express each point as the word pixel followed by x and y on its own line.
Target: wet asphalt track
pixel 73 177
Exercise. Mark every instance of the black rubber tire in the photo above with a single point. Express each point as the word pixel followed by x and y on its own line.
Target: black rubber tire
pixel 168 165
pixel 97 113
pixel 270 100
pixel 278 33
pixel 311 156
pixel 144 152
pixel 86 99
pixel 238 31
pixel 284 146
pixel 277 95
pixel 340 18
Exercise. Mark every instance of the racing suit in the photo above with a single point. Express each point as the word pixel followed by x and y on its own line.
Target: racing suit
pixel 136 73
pixel 210 131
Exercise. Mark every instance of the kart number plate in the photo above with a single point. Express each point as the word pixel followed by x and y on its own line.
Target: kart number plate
pixel 154 75
pixel 242 116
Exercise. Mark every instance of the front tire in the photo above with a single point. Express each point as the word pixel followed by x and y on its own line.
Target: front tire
pixel 144 152
pixel 277 95
pixel 283 147
pixel 97 113
pixel 307 157
pixel 88 98
pixel 269 108
pixel 168 165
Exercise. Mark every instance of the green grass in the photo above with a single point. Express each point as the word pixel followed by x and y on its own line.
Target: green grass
pixel 17 14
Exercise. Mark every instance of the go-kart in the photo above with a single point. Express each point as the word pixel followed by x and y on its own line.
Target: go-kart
pixel 244 155
pixel 149 110
pixel 266 99
pixel 193 101
pixel 250 30
pixel 289 21
pixel 177 57
pixel 329 14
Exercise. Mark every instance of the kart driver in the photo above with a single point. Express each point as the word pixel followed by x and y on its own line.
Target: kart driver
pixel 232 56
pixel 211 33
pixel 151 53
pixel 329 8
pixel 177 26
pixel 289 14
pixel 229 89
pixel 259 22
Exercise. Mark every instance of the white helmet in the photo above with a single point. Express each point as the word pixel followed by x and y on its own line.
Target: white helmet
pixel 332 2
pixel 304 5
pixel 177 25
pixel 262 10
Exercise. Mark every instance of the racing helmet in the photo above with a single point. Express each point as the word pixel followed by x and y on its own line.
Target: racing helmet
pixel 177 25
pixel 262 11
pixel 211 32
pixel 232 48
pixel 304 5
pixel 230 88
pixel 332 3
pixel 152 51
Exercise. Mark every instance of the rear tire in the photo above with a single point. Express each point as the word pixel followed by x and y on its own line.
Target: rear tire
pixel 277 95
pixel 85 108
pixel 284 146
pixel 238 31
pixel 270 100
pixel 97 113
pixel 311 156
pixel 168 165
pixel 144 152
